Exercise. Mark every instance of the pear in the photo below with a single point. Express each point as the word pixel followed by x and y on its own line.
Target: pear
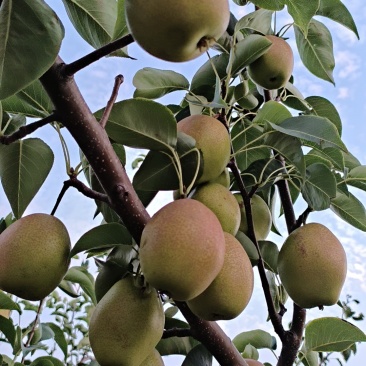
pixel 182 249
pixel 251 362
pixel 223 178
pixel 262 217
pixel 222 203
pixel 212 139
pixel 231 290
pixel 126 324
pixel 5 313
pixel 154 359
pixel 273 69
pixel 34 256
pixel 312 266
pixel 177 30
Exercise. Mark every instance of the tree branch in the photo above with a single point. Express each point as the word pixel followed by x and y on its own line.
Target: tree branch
pixel 107 111
pixel 94 142
pixel 27 130
pixel 90 58
pixel 177 332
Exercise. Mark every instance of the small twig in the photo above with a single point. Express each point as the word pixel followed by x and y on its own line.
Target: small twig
pixel 177 332
pixel 107 111
pixel 275 317
pixel 74 67
pixel 303 217
pixel 36 320
pixel 27 129
pixel 82 188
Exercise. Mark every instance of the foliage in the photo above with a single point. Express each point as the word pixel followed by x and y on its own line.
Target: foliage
pixel 286 148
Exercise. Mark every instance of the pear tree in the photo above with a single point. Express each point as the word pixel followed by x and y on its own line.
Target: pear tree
pixel 248 157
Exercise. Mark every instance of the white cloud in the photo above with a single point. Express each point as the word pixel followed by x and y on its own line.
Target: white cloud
pixel 348 64
pixel 343 93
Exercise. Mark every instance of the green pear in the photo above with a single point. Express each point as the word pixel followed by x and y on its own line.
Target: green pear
pixel 222 203
pixel 182 249
pixel 212 139
pixel 223 178
pixel 126 324
pixel 154 359
pixel 273 69
pixel 312 266
pixel 177 30
pixel 34 256
pixel 231 290
pixel 262 217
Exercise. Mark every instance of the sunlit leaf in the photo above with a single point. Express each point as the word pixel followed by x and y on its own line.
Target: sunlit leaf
pixel 7 303
pixel 257 338
pixel 302 11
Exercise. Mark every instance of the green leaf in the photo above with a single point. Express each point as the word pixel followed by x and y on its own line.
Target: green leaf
pixel 154 83
pixel 356 177
pixel 7 303
pixel 12 123
pixel 94 20
pixel 198 356
pixel 59 337
pixel 84 279
pixel 316 50
pixel 289 147
pixel 102 236
pixel 272 111
pixel 120 28
pixel 257 338
pixel 30 39
pixel 24 166
pixel 350 209
pixel 248 246
pixel 32 101
pixel 312 128
pixel 142 123
pixel 302 11
pixel 46 361
pixel 7 328
pixel 270 4
pixel 331 335
pixel 269 251
pixel 320 187
pixel 176 345
pixel 335 10
pixel 330 156
pixel 248 50
pixel 259 21
pixel 308 358
pixel 322 107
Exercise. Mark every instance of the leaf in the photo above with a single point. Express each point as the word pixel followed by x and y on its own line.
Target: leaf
pixel 248 50
pixel 269 251
pixel 322 107
pixel 102 236
pixel 30 39
pixel 350 209
pixel 336 10
pixel 7 303
pixel 32 101
pixel 153 83
pixel 94 20
pixel 330 156
pixel 46 361
pixel 302 11
pixel 176 345
pixel 59 337
pixel 80 276
pixel 312 128
pixel 198 356
pixel 120 28
pixel 356 177
pixel 320 187
pixel 24 166
pixel 257 338
pixel 259 21
pixel 331 335
pixel 316 50
pixel 142 123
pixel 289 147
pixel 272 111
pixel 7 328
pixel 270 4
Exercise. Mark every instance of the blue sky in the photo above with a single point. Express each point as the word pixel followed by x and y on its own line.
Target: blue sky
pixel 96 83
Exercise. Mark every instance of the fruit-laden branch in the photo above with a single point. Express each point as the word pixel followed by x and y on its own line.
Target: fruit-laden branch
pixel 94 142
pixel 74 67
pixel 27 130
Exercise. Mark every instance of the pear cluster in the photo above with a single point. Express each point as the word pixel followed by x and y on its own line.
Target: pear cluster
pixel 34 256
pixel 312 266
pixel 177 30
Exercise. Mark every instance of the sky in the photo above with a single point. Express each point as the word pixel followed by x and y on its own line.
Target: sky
pixel 96 83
